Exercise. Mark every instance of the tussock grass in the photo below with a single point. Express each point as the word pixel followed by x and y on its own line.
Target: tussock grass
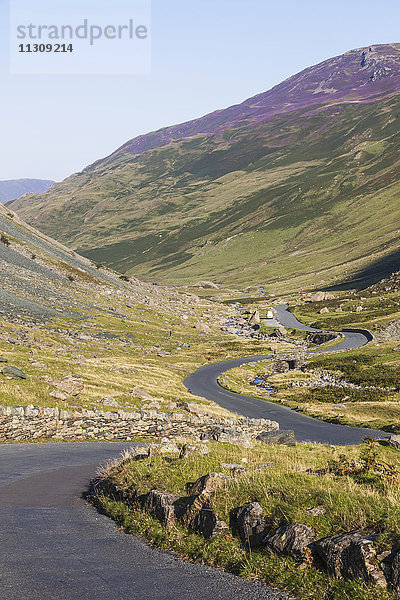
pixel 286 489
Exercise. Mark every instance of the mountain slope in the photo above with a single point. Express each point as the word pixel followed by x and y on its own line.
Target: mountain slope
pixel 86 338
pixel 12 189
pixel 294 185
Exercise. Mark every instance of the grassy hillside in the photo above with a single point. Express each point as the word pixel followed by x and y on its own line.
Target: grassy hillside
pixel 304 197
pixel 64 320
pixel 330 492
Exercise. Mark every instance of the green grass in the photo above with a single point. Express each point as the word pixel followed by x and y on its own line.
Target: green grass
pixel 286 490
pixel 113 367
pixel 369 366
pixel 278 204
pixel 378 308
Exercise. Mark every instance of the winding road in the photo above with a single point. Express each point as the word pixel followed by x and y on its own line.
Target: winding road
pixel 204 383
pixel 55 546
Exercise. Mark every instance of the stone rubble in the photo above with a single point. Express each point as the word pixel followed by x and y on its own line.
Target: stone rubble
pixel 326 379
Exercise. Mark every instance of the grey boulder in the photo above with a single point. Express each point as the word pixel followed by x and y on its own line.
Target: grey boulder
pixel 293 540
pixel 249 522
pixel 209 484
pixel 284 437
pixel 198 517
pixel 394 441
pixel 351 556
pixel 13 372
pixel 161 505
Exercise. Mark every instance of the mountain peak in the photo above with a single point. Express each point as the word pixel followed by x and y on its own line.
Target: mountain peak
pixel 351 73
pixel 290 183
pixel 360 75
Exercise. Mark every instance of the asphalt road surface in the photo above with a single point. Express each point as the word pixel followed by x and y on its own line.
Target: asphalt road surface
pixel 53 546
pixel 204 383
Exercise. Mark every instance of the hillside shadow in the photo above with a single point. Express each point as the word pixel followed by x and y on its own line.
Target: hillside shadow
pixel 375 272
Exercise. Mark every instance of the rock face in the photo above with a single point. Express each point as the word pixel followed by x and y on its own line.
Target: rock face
pixel 394 572
pixel 13 372
pixel 197 514
pixel 161 505
pixel 193 506
pixel 284 437
pixel 351 556
pixel 199 517
pixel 249 522
pixel 394 441
pixel 208 524
pixel 294 540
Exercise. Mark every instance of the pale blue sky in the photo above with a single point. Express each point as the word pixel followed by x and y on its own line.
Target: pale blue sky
pixel 206 54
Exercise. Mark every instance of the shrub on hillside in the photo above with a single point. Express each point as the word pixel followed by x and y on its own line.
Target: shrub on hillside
pixel 361 370
pixel 336 395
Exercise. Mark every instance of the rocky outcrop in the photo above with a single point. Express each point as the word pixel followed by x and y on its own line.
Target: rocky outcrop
pixel 293 540
pixel 198 516
pixel 391 331
pixel 320 338
pixel 249 523
pixel 208 524
pixel 281 366
pixel 210 483
pixel 161 505
pixel 394 441
pixel 32 422
pixel 13 372
pixel 255 318
pixel 284 437
pixel 351 556
pixel 393 572
pixel 69 385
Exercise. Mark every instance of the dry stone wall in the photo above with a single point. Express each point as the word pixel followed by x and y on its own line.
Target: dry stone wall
pixel 29 423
